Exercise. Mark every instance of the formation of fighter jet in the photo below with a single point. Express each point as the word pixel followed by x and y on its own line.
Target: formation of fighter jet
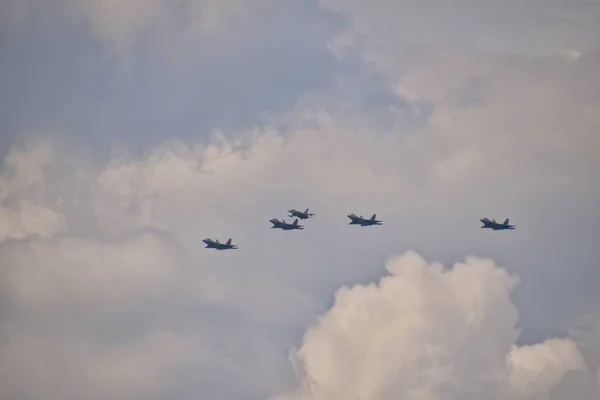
pixel 496 226
pixel 215 244
pixel 363 221
pixel 354 220
pixel 299 214
pixel 281 224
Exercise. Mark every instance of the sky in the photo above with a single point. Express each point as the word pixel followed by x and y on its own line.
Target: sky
pixel 130 131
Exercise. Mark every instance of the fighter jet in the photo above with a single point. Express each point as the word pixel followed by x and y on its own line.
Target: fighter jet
pixel 300 214
pixel 215 244
pixel 362 221
pixel 496 225
pixel 284 225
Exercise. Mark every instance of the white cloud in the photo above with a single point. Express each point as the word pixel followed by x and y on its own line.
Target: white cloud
pixel 428 333
pixel 538 368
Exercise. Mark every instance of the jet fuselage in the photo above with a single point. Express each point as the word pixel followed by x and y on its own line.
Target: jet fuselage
pixel 277 224
pixel 496 226
pixel 212 244
pixel 355 220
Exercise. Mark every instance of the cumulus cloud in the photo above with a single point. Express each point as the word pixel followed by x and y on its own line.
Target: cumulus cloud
pixel 424 332
pixel 538 368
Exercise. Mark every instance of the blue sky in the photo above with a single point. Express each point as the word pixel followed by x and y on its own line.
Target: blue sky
pixel 130 131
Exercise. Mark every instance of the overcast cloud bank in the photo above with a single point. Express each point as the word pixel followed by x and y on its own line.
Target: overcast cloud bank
pixel 427 116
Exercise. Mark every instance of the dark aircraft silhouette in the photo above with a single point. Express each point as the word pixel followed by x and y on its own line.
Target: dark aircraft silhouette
pixel 487 224
pixel 362 221
pixel 284 225
pixel 300 214
pixel 215 244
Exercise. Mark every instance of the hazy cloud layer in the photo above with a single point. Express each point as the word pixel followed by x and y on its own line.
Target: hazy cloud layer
pixel 144 71
pixel 102 268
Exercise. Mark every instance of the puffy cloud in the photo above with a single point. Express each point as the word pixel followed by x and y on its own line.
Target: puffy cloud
pixel 538 368
pixel 425 332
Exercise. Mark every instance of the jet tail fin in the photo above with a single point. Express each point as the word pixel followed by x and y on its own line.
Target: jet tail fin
pixel 306 211
pixel 373 217
pixel 506 221
pixel 229 241
pixel 295 222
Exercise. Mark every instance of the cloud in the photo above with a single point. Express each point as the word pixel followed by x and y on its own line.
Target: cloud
pixel 103 271
pixel 538 368
pixel 96 272
pixel 158 24
pixel 492 74
pixel 424 332
pixel 124 271
pixel 126 318
pixel 526 153
pixel 386 30
pixel 144 72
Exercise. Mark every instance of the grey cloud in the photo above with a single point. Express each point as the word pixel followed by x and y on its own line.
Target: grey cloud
pixel 248 307
pixel 401 143
pixel 511 27
pixel 125 318
pixel 55 74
